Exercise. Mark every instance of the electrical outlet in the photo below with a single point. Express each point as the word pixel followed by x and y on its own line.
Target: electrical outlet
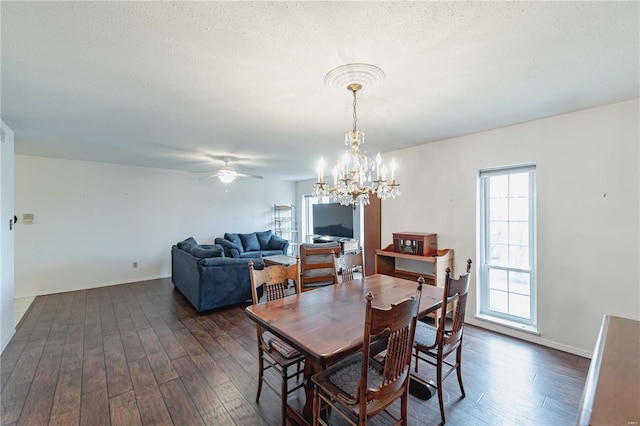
pixel 27 218
pixel 135 264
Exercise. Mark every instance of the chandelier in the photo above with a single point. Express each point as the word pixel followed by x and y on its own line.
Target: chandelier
pixel 353 175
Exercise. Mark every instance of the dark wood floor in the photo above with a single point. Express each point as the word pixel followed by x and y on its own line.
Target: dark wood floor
pixel 139 354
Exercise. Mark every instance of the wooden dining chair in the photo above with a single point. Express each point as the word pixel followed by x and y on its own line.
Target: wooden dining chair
pixel 360 387
pixel 434 344
pixel 351 262
pixel 272 351
pixel 317 265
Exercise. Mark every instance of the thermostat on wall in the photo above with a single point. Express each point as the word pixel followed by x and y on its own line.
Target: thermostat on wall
pixel 27 218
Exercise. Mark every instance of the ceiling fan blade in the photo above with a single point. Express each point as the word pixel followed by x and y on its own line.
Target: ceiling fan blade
pixel 227 171
pixel 209 174
pixel 244 175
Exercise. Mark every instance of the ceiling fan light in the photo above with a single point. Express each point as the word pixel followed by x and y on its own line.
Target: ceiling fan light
pixel 226 176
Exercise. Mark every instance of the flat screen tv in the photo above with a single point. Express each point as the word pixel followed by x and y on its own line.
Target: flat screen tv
pixel 333 219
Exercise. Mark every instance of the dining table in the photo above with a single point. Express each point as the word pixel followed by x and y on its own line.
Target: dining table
pixel 327 324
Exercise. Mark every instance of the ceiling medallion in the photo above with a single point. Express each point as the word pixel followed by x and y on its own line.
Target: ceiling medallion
pixel 364 74
pixel 353 175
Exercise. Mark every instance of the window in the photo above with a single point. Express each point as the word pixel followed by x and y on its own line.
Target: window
pixel 508 244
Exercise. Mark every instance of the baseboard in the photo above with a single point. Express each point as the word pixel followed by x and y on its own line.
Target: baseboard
pixel 91 286
pixel 7 339
pixel 530 338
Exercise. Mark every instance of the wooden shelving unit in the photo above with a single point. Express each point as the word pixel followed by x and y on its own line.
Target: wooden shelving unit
pixel 285 225
pixel 386 262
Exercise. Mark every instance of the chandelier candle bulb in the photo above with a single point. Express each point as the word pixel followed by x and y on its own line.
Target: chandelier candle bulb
pixel 321 170
pixel 393 170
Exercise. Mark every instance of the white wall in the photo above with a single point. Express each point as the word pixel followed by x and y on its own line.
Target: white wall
pixel 588 212
pixel 6 237
pixel 93 220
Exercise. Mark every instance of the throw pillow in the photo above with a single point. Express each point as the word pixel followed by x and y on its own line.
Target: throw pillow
pixel 214 247
pixel 189 241
pixel 250 242
pixel 203 253
pixel 235 239
pixel 211 246
pixel 263 239
pixel 275 243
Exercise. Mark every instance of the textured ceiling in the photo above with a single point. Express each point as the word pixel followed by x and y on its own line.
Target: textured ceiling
pixel 170 85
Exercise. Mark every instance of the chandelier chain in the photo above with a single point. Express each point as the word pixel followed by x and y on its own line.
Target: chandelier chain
pixel 355 116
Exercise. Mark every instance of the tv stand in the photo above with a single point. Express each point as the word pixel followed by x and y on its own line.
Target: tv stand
pixel 347 245
pixel 326 239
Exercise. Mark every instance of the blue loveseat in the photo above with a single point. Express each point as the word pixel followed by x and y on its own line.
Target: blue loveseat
pixel 207 278
pixel 252 245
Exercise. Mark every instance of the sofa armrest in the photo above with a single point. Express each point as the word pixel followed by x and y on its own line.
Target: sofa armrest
pixel 230 249
pixel 279 243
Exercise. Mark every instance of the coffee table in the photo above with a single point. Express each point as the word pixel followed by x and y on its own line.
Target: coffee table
pixel 279 259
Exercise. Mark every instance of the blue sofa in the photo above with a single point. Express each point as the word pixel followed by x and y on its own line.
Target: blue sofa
pixel 207 278
pixel 252 245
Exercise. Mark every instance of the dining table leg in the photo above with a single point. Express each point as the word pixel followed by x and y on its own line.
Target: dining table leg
pixel 311 367
pixel 300 412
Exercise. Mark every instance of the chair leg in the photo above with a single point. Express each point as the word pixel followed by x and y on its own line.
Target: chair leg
pixel 404 405
pixel 459 367
pixel 299 371
pixel 439 381
pixel 260 372
pixel 284 395
pixel 416 355
pixel 316 406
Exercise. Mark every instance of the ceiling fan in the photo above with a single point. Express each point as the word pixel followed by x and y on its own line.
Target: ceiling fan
pixel 228 174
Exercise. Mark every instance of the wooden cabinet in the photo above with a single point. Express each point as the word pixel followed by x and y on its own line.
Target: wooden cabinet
pixel 410 266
